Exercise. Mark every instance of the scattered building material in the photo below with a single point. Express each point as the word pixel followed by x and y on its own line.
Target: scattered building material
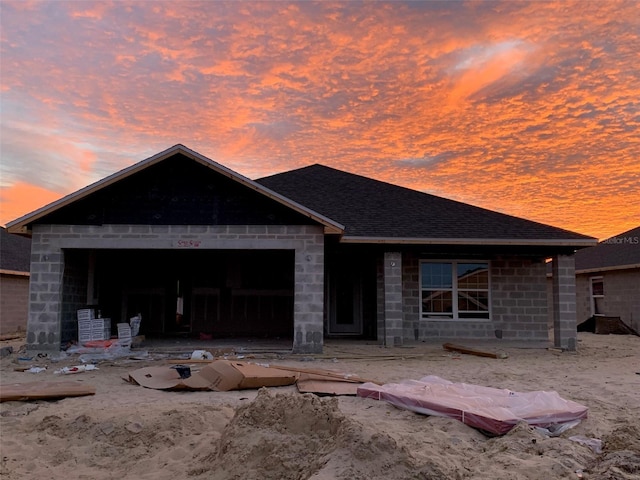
pixel 44 391
pixel 224 375
pixel 492 410
pixel 309 383
pixel 601 325
pixel 36 370
pixel 75 369
pixel 472 351
pixel 219 375
pixel 327 374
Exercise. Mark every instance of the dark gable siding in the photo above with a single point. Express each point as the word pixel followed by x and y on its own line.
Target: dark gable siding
pixel 176 191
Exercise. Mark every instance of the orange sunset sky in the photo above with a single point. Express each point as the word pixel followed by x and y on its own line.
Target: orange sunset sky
pixel 527 108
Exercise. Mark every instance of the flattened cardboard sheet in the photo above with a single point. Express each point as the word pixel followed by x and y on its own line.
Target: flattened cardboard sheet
pixel 166 378
pixel 219 375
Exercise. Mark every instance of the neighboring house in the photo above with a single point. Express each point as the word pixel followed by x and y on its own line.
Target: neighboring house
pixel 316 252
pixel 15 258
pixel 608 279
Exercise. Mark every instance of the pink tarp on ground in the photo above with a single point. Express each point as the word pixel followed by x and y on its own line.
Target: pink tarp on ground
pixel 490 409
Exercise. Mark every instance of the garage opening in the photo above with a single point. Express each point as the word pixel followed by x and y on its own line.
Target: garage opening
pixel 199 294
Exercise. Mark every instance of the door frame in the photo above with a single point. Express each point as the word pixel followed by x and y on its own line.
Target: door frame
pixel 356 327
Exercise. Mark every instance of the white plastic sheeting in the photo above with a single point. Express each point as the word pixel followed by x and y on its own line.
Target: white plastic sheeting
pixel 493 410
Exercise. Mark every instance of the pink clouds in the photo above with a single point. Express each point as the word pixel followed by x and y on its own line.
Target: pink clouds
pixel 527 108
pixel 22 198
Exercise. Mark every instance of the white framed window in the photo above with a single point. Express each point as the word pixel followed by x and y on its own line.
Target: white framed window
pixel 597 295
pixel 454 290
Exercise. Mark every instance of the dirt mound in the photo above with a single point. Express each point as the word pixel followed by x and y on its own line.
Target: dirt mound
pixel 291 436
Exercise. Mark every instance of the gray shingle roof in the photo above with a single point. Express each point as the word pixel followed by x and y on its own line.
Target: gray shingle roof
pixel 620 250
pixel 15 252
pixel 371 208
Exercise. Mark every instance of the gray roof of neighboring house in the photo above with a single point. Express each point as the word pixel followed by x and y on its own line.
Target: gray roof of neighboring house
pixel 619 251
pixel 373 209
pixel 15 252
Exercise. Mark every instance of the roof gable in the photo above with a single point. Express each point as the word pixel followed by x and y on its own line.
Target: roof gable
pixel 375 211
pixel 177 186
pixel 619 251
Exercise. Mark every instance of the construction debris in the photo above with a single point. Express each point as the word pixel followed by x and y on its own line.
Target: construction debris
pixel 44 391
pixel 219 375
pixel 224 375
pixel 492 410
pixel 472 351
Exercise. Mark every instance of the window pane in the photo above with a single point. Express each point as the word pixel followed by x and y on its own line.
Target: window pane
pixel 473 315
pixel 473 275
pixel 437 301
pixel 436 275
pixel 473 301
pixel 597 287
pixel 598 306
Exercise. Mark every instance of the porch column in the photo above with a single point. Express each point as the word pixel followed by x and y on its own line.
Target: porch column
pixel 308 307
pixel 564 302
pixel 45 292
pixel 392 269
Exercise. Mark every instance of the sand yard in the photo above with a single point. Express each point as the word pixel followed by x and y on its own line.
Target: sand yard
pixel 130 432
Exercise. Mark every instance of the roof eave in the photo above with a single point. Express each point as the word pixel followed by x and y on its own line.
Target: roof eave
pixel 16 273
pixel 578 243
pixel 20 225
pixel 608 269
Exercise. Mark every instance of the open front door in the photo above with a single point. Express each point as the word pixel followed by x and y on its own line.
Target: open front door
pixel 345 301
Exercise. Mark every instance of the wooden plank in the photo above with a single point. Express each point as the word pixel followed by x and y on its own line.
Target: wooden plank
pixel 327 387
pixel 327 373
pixel 472 351
pixel 44 390
pixel 11 336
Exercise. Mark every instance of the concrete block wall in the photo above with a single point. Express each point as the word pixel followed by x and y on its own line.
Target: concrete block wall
pixel 50 242
pixel 583 296
pixel 308 302
pixel 621 295
pixel 45 293
pixel 519 299
pixel 14 302
pixel 518 296
pixel 564 302
pixel 393 299
pixel 411 294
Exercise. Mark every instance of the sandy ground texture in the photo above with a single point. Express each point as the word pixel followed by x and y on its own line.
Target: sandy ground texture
pixel 130 432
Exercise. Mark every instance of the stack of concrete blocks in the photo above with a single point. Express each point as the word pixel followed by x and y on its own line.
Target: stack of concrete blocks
pixel 124 332
pixel 91 328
